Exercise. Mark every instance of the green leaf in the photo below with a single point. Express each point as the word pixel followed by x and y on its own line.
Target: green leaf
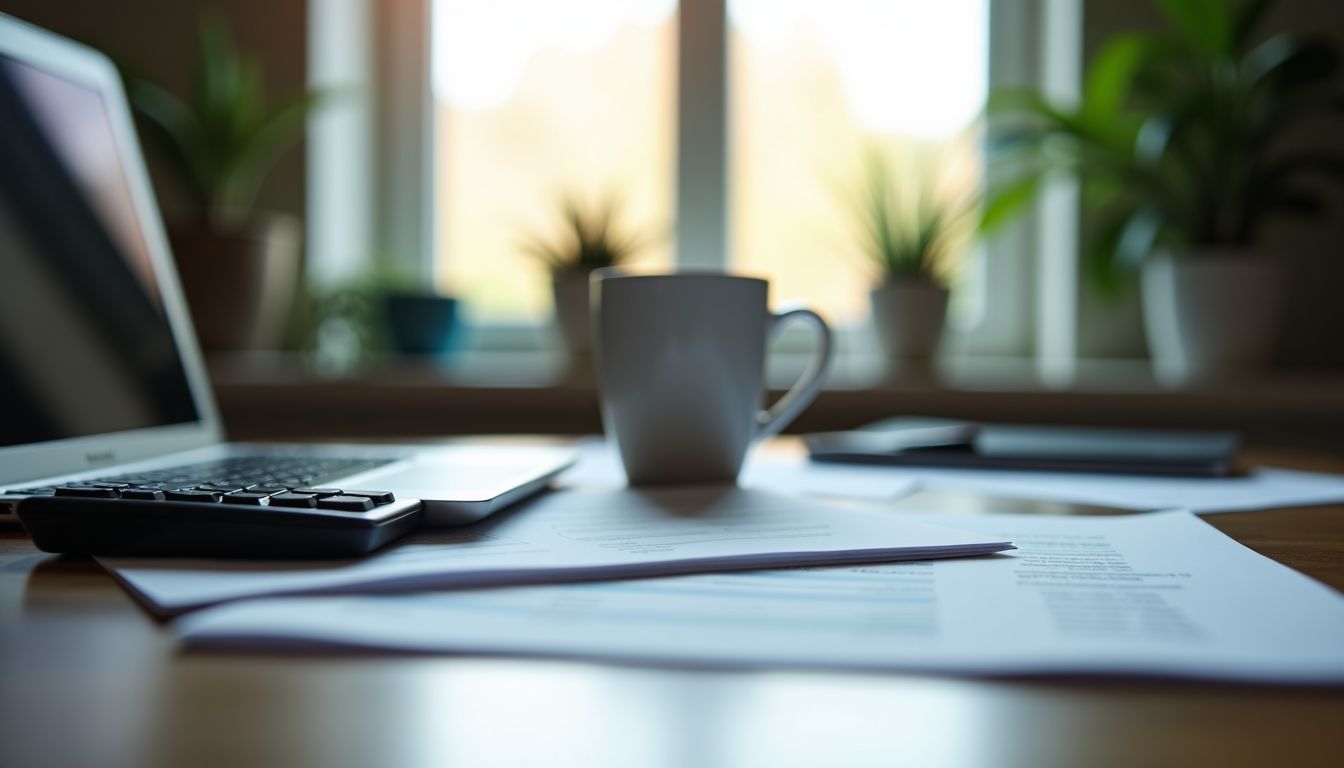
pixel 223 138
pixel 1004 202
pixel 1108 223
pixel 1205 25
pixel 590 238
pixel 1025 103
pixel 1110 76
pixel 1154 138
pixel 179 134
pixel 1289 63
pixel 1138 237
pixel 260 145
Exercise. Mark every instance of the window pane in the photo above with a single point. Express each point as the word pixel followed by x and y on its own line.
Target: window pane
pixel 813 86
pixel 536 100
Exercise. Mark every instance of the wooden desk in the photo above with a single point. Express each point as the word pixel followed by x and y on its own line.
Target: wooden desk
pixel 88 679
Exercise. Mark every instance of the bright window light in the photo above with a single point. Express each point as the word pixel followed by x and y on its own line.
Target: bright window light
pixel 536 100
pixel 814 87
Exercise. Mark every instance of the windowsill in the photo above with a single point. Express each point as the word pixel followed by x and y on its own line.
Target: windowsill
pixel 276 396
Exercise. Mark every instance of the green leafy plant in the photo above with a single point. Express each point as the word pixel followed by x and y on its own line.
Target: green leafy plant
pixel 350 314
pixel 1184 137
pixel 906 227
pixel 590 239
pixel 222 140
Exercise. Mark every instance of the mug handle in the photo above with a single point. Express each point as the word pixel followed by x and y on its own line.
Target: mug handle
pixel 808 386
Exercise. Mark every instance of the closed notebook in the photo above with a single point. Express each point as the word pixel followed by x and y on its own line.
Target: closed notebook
pixel 945 443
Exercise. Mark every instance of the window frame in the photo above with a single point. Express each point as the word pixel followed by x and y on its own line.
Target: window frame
pixel 371 169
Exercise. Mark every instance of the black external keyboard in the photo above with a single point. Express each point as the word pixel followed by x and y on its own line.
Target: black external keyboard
pixel 235 473
pixel 239 507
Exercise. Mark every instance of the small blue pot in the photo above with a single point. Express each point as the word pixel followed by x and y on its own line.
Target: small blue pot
pixel 421 324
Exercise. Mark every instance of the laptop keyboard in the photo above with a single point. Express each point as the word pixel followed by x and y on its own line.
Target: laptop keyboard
pixel 282 481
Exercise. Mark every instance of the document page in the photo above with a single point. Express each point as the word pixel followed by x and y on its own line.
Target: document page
pixel 577 534
pixel 1263 488
pixel 1162 594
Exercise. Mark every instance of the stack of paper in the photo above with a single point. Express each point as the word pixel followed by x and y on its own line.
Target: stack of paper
pixel 1162 594
pixel 1262 488
pixel 576 535
pixel 1154 594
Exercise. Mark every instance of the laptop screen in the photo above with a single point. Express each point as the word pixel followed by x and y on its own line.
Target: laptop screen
pixel 85 345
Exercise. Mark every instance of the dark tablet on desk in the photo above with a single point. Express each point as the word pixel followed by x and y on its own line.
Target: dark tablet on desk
pixel 953 444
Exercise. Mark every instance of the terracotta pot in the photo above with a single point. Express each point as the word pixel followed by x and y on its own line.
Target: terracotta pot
pixel 1210 313
pixel 908 316
pixel 239 281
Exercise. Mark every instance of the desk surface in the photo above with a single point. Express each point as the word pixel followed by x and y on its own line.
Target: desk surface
pixel 88 679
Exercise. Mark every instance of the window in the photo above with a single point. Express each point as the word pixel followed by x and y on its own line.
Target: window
pixel 518 102
pixel 534 101
pixel 814 87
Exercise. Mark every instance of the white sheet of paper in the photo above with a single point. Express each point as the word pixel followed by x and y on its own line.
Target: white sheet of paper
pixel 1162 594
pixel 577 534
pixel 1264 488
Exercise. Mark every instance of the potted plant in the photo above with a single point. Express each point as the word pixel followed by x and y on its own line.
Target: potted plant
pixel 910 231
pixel 1185 142
pixel 386 310
pixel 419 322
pixel 590 239
pixel 239 268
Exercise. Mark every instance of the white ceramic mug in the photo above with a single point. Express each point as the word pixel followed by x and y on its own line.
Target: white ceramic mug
pixel 681 363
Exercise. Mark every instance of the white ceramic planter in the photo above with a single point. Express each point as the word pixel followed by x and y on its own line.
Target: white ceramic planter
pixel 573 317
pixel 1210 313
pixel 909 316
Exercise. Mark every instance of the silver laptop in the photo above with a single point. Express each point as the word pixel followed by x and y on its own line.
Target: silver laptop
pixel 100 374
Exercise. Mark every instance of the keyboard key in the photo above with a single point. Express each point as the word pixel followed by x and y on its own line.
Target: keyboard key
pixel 306 500
pixel 274 474
pixel 320 492
pixel 346 503
pixel 244 497
pixel 143 494
pixel 377 497
pixel 86 492
pixel 188 494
